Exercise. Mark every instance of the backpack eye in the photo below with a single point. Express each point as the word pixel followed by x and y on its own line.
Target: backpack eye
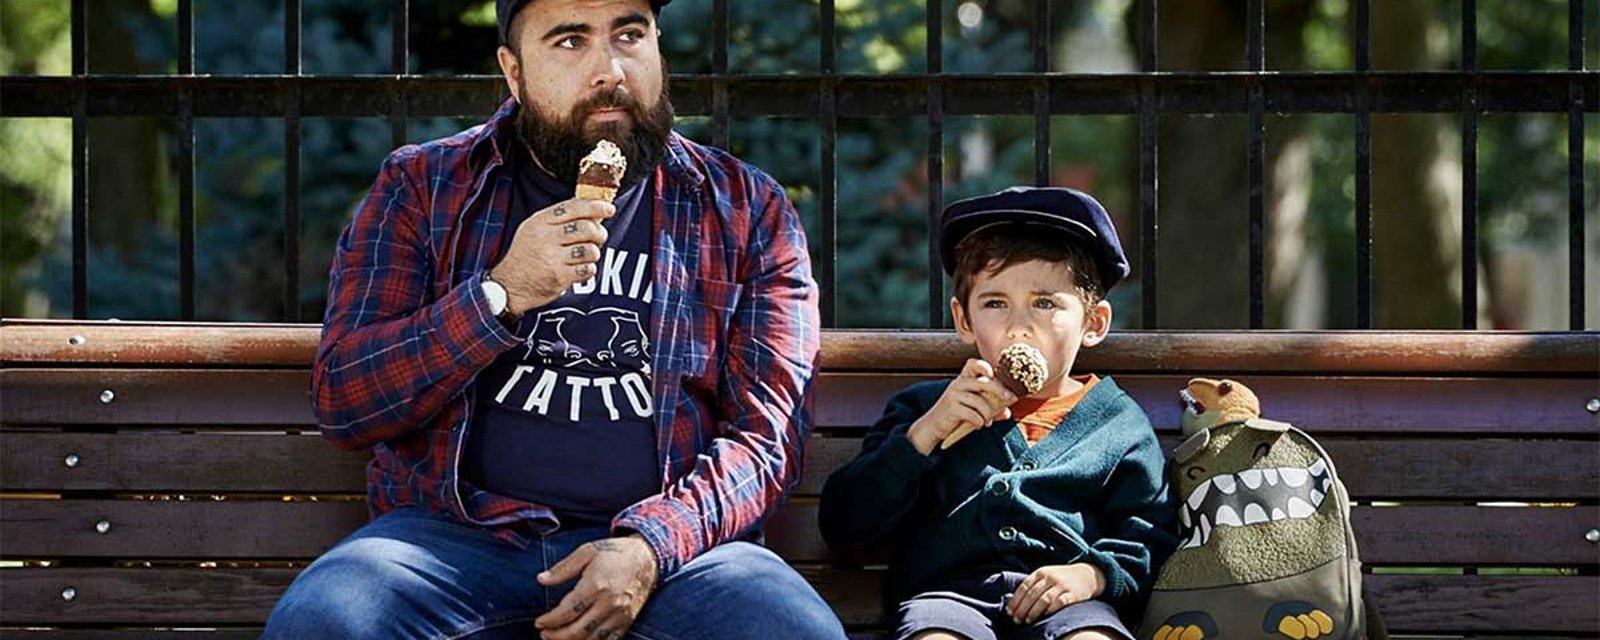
pixel 1194 472
pixel 1262 450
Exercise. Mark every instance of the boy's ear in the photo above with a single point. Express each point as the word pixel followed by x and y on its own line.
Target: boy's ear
pixel 963 323
pixel 1098 324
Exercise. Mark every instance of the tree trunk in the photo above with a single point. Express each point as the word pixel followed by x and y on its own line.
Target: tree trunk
pixel 1416 179
pixel 1203 240
pixel 126 164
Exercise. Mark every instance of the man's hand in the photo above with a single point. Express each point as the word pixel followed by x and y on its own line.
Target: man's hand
pixel 1049 588
pixel 615 578
pixel 553 249
pixel 975 398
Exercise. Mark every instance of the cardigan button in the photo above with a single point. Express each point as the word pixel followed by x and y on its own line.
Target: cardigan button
pixel 1029 466
pixel 1008 533
pixel 1000 488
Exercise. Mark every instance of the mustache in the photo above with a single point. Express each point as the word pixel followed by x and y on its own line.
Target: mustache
pixel 617 98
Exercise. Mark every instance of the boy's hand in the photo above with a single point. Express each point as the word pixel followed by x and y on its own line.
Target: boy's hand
pixel 1052 587
pixel 975 398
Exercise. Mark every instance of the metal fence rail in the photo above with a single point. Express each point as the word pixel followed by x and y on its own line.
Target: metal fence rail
pixel 830 95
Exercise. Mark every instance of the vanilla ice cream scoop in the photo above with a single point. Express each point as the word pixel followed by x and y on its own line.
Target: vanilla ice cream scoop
pixel 600 172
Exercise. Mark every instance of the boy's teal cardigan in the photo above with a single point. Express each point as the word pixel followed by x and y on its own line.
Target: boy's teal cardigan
pixel 1093 490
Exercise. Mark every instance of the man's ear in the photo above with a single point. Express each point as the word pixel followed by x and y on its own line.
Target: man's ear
pixel 1098 324
pixel 963 323
pixel 510 70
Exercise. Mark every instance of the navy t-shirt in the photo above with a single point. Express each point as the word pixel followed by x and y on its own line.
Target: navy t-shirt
pixel 567 419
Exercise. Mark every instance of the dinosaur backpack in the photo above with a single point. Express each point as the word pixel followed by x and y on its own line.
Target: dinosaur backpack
pixel 1266 549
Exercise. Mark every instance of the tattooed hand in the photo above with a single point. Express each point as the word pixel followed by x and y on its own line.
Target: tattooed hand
pixel 550 251
pixel 615 578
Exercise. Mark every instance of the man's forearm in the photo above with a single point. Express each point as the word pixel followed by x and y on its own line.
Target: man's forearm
pixel 378 381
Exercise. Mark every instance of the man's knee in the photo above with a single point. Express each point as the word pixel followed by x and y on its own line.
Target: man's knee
pixel 748 585
pixel 348 593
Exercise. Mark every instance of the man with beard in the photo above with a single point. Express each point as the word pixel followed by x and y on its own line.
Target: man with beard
pixel 581 412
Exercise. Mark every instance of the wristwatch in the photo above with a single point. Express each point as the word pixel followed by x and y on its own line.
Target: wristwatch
pixel 499 302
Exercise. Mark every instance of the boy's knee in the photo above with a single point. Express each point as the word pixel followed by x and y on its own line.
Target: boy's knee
pixel 938 634
pixel 1091 634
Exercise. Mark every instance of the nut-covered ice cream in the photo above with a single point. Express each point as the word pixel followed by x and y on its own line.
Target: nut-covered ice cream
pixel 1022 369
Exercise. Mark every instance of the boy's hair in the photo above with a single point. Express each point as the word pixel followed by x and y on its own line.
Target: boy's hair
pixel 996 247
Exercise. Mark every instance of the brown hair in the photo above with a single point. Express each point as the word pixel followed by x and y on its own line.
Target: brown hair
pixel 991 249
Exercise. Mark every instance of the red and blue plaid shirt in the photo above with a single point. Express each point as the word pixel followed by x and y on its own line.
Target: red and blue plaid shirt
pixel 734 339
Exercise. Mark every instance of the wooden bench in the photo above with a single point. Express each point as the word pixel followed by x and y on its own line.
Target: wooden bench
pixel 162 476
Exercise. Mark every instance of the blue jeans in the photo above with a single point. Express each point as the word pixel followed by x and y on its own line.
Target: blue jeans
pixel 414 574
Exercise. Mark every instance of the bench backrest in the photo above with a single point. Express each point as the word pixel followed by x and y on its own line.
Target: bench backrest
pixel 162 475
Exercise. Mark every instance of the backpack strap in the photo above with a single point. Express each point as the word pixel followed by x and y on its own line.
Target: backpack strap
pixel 1356 615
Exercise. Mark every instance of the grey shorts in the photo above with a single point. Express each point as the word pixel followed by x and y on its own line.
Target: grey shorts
pixel 976 609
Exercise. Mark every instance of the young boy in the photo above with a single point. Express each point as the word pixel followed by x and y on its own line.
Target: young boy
pixel 1054 519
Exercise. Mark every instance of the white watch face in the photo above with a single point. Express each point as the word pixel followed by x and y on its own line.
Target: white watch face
pixel 496 295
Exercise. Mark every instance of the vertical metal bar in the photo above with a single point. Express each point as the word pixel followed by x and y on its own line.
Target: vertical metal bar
pixel 935 52
pixel 399 55
pixel 1363 167
pixel 291 163
pixel 1363 35
pixel 1256 162
pixel 1149 150
pixel 1469 167
pixel 719 67
pixel 1040 34
pixel 186 222
pixel 827 104
pixel 80 162
pixel 1575 107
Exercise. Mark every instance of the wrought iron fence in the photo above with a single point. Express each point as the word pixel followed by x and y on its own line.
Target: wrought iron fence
pixel 829 95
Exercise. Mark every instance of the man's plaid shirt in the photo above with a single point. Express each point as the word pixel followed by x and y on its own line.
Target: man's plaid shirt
pixel 734 339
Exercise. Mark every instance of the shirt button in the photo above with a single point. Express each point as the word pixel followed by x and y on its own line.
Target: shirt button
pixel 1008 533
pixel 1000 488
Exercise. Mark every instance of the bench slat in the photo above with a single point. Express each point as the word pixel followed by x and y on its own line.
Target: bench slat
pixel 1524 406
pixel 210 463
pixel 268 462
pixel 1535 604
pixel 77 633
pixel 1407 352
pixel 235 530
pixel 1389 468
pixel 1404 536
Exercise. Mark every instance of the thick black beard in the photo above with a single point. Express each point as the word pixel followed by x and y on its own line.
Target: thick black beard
pixel 559 145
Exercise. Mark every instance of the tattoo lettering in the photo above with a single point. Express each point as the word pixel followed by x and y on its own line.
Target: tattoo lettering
pixel 580 606
pixel 604 545
pixel 577 252
pixel 561 210
pixel 571 228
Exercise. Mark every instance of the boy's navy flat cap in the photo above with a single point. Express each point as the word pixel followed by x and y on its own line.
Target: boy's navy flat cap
pixel 1069 210
pixel 505 10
